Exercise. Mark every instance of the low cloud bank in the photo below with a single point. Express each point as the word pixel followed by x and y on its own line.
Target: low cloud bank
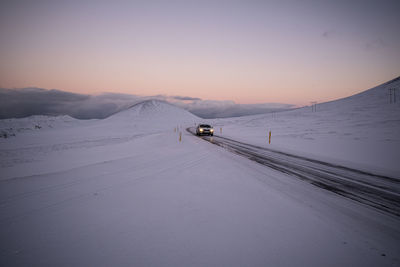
pixel 18 103
pixel 209 109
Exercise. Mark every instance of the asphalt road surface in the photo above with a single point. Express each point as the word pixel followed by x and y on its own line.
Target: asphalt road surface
pixel 377 191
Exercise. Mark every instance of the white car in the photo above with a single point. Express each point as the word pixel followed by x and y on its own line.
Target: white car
pixel 204 129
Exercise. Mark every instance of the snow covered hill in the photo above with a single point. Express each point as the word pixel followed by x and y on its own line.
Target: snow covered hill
pixel 155 110
pixel 151 115
pixel 361 131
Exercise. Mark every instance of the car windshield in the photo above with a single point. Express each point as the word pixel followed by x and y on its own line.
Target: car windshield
pixel 204 126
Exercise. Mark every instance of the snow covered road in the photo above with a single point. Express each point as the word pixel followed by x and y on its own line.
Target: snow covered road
pixel 381 192
pixel 125 191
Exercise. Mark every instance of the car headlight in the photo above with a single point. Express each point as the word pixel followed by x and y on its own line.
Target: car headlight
pixel 211 130
pixel 200 129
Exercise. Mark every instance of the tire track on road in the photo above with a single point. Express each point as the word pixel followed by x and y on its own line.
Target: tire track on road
pixel 377 191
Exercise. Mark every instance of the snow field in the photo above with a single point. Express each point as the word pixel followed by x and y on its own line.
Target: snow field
pixel 124 191
pixel 182 204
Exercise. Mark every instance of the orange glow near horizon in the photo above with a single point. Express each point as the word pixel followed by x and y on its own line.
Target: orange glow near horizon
pixel 247 53
pixel 240 90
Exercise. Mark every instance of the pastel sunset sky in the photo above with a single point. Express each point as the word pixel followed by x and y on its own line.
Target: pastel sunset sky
pixel 246 51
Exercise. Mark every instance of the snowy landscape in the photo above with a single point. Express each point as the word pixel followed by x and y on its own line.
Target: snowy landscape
pixel 129 191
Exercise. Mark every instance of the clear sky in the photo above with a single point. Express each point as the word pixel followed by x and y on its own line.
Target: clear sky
pixel 246 51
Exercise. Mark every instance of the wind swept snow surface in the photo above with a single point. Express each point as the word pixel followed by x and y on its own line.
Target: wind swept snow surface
pixel 12 127
pixel 125 191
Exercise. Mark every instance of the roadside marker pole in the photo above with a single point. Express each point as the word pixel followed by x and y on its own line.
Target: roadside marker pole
pixel 269 141
pixel 180 136
pixel 314 106
pixel 392 92
pixel 220 130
